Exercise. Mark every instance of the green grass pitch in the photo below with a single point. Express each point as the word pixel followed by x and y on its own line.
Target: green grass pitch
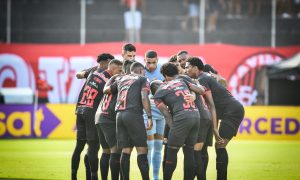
pixel 50 159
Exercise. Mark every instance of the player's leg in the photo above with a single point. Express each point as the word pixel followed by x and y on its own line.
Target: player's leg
pixel 109 132
pixel 93 145
pixel 190 128
pixel 150 139
pixel 208 142
pixel 80 143
pixel 198 160
pixel 87 167
pixel 165 142
pixel 138 136
pixel 104 160
pixel 124 143
pixel 158 144
pixel 229 125
pixel 170 162
pixel 114 162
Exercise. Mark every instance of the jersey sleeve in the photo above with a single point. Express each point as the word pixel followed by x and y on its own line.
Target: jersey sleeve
pixel 114 87
pixel 88 71
pixel 204 82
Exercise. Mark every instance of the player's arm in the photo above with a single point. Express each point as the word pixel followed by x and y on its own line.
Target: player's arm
pixel 111 85
pixel 211 106
pixel 84 73
pixel 147 106
pixel 197 88
pixel 165 111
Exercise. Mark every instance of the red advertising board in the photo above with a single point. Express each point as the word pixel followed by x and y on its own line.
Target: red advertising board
pixel 22 64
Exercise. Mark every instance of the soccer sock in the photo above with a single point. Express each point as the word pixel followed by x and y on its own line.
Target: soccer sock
pixel 87 167
pixel 170 163
pixel 150 144
pixel 198 165
pixel 125 165
pixel 143 166
pixel 104 165
pixel 164 157
pixel 76 157
pixel 156 158
pixel 205 159
pixel 115 165
pixel 222 163
pixel 93 158
pixel 189 162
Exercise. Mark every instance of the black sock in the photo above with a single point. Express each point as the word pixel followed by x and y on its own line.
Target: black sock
pixel 170 163
pixel 76 157
pixel 93 158
pixel 87 167
pixel 199 165
pixel 205 159
pixel 189 163
pixel 222 163
pixel 114 162
pixel 164 158
pixel 125 165
pixel 104 165
pixel 143 166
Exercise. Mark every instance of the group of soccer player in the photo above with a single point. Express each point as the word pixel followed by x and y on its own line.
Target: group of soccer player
pixel 181 104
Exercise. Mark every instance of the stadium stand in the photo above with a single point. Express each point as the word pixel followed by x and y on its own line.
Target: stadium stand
pixel 55 21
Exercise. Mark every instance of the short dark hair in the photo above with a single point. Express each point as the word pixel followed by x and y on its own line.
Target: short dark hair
pixel 116 62
pixel 209 68
pixel 169 69
pixel 154 85
pixel 173 58
pixel 182 52
pixel 151 54
pixel 136 65
pixel 126 66
pixel 129 47
pixel 104 57
pixel 195 61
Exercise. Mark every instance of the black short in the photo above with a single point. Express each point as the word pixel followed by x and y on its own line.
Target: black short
pixel 131 129
pixel 101 136
pixel 205 131
pixel 231 120
pixel 86 129
pixel 109 131
pixel 184 131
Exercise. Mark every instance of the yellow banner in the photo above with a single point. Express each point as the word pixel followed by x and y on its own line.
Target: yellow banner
pixel 270 123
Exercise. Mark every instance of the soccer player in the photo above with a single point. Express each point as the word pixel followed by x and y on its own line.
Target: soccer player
pixel 105 119
pixel 155 135
pixel 222 105
pixel 128 52
pixel 133 90
pixel 182 117
pixel 102 60
pixel 182 57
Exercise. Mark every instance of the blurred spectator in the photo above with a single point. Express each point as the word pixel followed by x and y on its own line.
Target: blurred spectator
pixel 132 20
pixel 254 7
pixel 215 6
pixel 193 14
pixel 43 87
pixel 234 9
pixel 284 8
pixel 297 8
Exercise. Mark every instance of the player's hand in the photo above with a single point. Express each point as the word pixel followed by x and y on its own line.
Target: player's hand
pixel 218 138
pixel 189 98
pixel 149 124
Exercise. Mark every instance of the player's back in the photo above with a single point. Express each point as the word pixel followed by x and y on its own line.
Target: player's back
pixel 129 92
pixel 221 95
pixel 172 94
pixel 93 92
